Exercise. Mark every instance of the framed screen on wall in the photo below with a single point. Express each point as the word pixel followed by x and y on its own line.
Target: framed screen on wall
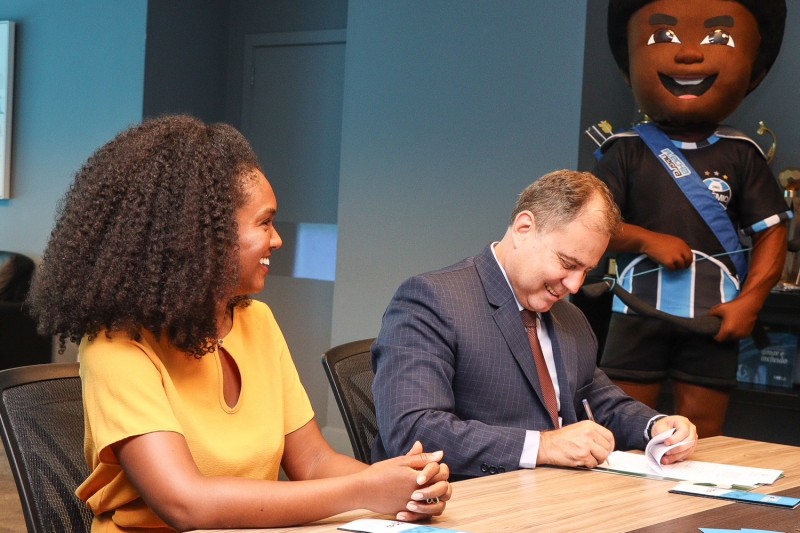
pixel 6 104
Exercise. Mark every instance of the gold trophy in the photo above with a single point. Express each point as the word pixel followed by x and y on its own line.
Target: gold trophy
pixel 790 180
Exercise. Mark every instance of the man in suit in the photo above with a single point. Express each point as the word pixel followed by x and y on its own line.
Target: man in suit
pixel 455 365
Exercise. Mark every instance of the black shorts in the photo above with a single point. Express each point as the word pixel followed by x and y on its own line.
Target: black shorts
pixel 648 350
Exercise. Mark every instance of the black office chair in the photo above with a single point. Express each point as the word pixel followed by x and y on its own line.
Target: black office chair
pixel 22 344
pixel 41 421
pixel 349 370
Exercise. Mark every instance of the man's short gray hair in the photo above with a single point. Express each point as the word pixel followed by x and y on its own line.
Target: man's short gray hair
pixel 558 197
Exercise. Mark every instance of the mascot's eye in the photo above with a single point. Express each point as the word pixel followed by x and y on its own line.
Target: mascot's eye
pixel 663 36
pixel 719 37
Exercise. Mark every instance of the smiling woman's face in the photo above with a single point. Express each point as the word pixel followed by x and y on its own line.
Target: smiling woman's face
pixel 691 62
pixel 258 237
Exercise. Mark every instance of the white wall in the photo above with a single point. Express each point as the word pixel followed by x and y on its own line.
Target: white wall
pixel 450 109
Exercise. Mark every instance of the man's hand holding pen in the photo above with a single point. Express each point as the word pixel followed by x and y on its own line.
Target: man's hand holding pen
pixel 584 443
pixel 588 444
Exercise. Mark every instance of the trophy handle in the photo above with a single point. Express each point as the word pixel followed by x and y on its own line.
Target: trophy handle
pixel 762 129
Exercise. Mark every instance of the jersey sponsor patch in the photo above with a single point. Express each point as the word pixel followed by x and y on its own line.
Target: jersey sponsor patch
pixel 674 163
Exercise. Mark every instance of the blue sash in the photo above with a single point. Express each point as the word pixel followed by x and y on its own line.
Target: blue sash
pixel 695 190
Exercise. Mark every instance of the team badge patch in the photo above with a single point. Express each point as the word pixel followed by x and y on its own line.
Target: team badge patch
pixel 720 189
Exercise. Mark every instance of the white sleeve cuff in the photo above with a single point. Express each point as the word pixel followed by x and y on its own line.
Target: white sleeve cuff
pixel 530 449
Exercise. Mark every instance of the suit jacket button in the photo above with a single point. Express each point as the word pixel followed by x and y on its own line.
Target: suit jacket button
pixel 492 469
pixel 500 469
pixel 484 468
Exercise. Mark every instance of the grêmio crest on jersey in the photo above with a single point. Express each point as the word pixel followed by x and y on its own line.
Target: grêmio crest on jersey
pixel 718 184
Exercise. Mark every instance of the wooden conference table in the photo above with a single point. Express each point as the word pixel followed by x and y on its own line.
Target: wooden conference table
pixel 568 500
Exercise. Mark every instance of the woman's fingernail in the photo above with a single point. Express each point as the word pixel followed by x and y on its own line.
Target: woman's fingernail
pixel 411 506
pixel 418 496
pixel 421 479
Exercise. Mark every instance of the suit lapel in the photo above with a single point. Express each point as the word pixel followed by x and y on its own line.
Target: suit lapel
pixel 508 320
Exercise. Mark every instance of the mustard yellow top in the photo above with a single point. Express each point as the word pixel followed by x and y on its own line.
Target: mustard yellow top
pixel 132 388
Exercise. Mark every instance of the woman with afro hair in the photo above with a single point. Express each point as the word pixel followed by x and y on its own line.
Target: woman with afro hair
pixel 192 402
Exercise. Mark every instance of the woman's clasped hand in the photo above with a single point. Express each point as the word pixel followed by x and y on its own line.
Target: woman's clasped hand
pixel 426 482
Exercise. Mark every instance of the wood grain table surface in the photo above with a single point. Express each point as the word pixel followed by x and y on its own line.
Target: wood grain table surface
pixel 568 500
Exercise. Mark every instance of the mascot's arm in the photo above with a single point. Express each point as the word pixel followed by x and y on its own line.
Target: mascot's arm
pixel 667 250
pixel 766 264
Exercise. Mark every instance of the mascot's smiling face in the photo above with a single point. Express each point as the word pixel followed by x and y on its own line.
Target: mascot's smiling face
pixel 691 63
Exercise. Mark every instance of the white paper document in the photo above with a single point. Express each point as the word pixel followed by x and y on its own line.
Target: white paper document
pixel 377 525
pixel 649 465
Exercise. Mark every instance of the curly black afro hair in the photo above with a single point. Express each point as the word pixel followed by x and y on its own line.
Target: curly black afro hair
pixel 146 236
pixel 770 15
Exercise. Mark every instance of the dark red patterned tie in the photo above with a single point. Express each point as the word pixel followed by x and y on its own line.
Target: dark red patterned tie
pixel 548 391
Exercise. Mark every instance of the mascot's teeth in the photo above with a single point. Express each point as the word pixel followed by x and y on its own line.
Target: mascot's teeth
pixel 688 81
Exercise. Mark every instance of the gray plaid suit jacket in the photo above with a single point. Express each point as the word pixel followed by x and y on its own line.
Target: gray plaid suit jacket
pixel 454 370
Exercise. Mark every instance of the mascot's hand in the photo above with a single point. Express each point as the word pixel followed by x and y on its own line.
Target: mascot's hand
pixel 738 319
pixel 668 250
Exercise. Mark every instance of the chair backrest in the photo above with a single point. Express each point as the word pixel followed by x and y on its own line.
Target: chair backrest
pixel 22 344
pixel 16 271
pixel 349 370
pixel 41 421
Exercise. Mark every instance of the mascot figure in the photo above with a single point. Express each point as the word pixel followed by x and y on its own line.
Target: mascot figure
pixel 688 188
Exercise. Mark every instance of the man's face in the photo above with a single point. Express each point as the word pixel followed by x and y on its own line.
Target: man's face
pixel 690 61
pixel 544 267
